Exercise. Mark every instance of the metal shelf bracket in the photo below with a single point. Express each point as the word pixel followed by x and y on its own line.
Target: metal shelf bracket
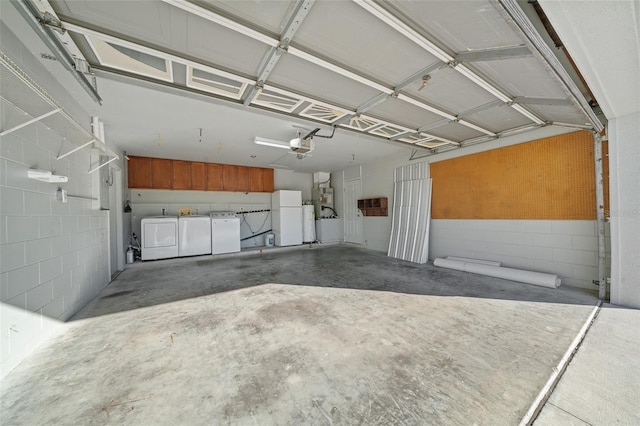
pixel 60 157
pixel 102 165
pixel 33 120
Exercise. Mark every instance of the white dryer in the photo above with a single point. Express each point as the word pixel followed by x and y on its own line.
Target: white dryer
pixel 225 232
pixel 195 235
pixel 159 237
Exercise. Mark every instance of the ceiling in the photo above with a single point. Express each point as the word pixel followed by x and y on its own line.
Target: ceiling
pixel 200 80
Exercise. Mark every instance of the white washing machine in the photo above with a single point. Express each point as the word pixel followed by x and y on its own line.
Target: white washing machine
pixel 159 237
pixel 225 232
pixel 194 235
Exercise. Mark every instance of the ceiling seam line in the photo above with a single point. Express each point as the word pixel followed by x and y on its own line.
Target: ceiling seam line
pixel 348 113
pixel 187 62
pixel 228 23
pixel 504 133
pixel 338 69
pixel 450 117
pixel 273 56
pixel 242 29
pixel 304 55
pixel 526 29
pixel 401 27
pixel 225 22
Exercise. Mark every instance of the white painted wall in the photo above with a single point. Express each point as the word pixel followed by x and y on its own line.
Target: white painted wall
pixel 149 202
pixel 624 163
pixel 295 181
pixel 612 75
pixel 53 255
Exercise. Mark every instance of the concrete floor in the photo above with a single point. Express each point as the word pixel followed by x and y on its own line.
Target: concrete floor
pixel 601 385
pixel 334 335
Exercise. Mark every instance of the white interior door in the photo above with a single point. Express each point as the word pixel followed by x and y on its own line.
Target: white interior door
pixel 352 216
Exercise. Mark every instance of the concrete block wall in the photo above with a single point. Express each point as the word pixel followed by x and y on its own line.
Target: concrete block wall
pixel 52 254
pixel 568 248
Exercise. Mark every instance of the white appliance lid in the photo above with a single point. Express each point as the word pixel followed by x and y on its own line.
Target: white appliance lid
pixel 222 214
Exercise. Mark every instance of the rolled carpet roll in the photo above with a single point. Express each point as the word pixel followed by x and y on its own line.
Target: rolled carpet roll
pixel 528 277
pixel 466 259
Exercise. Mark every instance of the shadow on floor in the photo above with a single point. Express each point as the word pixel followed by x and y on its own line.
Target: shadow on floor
pixel 342 266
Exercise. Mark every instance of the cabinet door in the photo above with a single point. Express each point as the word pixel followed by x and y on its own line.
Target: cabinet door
pixel 139 170
pixel 198 176
pixel 161 173
pixel 255 179
pixel 229 177
pixel 267 180
pixel 181 174
pixel 214 177
pixel 244 177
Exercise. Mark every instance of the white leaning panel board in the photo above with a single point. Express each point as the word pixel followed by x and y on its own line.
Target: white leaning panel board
pixel 411 214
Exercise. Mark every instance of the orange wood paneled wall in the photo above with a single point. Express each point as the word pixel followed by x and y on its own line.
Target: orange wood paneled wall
pixel 551 178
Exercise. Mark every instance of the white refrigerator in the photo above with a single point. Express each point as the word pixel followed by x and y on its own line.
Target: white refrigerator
pixel 286 217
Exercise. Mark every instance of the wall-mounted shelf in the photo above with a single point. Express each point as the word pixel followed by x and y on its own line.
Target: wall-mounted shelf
pixel 21 91
pixel 46 176
pixel 373 206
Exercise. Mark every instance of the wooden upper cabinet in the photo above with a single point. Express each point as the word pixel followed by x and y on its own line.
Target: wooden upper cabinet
pixel 198 176
pixel 244 179
pixel 161 173
pixel 139 171
pixel 229 177
pixel 181 174
pixel 267 180
pixel 256 182
pixel 214 177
